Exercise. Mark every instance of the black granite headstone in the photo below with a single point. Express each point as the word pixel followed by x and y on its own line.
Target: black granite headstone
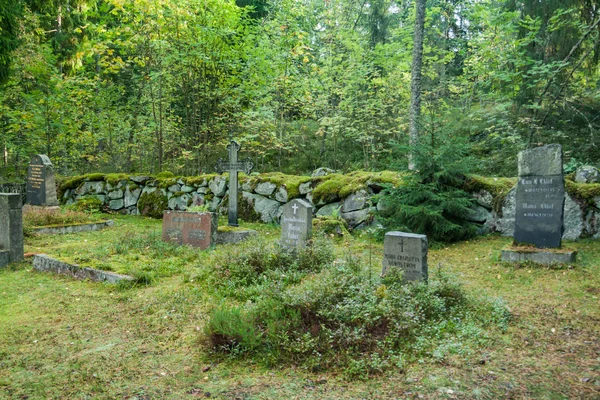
pixel 41 186
pixel 540 197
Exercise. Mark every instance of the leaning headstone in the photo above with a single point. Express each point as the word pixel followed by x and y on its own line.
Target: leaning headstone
pixel 41 186
pixel 11 228
pixel 191 228
pixel 408 252
pixel 296 223
pixel 540 197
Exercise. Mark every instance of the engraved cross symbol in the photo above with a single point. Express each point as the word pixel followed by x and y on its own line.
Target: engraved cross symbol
pixel 295 207
pixel 402 245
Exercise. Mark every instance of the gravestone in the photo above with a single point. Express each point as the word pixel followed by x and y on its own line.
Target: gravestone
pixel 540 197
pixel 11 228
pixel 233 166
pixel 41 186
pixel 191 228
pixel 296 223
pixel 408 252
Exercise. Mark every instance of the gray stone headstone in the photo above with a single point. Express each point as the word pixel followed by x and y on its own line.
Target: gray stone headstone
pixel 11 228
pixel 540 197
pixel 41 186
pixel 296 223
pixel 408 252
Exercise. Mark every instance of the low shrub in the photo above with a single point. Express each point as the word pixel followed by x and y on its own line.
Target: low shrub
pixel 86 204
pixel 39 216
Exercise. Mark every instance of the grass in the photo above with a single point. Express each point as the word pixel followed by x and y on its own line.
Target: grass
pixel 63 338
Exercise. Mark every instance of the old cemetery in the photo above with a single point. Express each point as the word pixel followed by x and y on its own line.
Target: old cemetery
pixel 321 301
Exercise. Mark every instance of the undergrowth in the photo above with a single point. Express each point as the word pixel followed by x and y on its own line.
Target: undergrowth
pixel 276 309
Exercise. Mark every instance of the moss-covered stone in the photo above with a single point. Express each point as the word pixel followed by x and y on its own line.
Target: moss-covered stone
pixel 334 187
pixel 495 186
pixel 290 182
pixel 164 183
pixel 245 209
pixel 165 175
pixel 330 226
pixel 152 204
pixel 114 179
pixel 583 191
pixel 198 180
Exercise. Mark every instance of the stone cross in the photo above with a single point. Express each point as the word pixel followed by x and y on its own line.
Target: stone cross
pixel 540 197
pixel 233 166
pixel 41 186
pixel 296 223
pixel 408 252
pixel 11 228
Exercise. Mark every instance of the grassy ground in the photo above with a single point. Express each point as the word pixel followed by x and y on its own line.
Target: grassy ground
pixel 61 338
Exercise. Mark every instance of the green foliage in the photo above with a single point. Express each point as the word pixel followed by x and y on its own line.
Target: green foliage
pixel 432 201
pixel 87 204
pixel 152 204
pixel 165 175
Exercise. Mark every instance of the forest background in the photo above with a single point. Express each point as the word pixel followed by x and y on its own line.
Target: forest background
pixel 153 85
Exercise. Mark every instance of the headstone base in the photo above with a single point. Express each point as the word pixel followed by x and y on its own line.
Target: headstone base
pixel 4 258
pixel 234 236
pixel 539 257
pixel 43 263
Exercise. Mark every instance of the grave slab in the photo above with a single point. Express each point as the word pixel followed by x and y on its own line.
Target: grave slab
pixel 11 226
pixel 41 185
pixel 539 257
pixel 192 228
pixel 296 223
pixel 408 252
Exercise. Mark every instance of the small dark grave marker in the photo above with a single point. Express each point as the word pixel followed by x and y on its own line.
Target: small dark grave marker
pixel 296 223
pixel 191 228
pixel 540 197
pixel 11 228
pixel 233 166
pixel 407 251
pixel 41 186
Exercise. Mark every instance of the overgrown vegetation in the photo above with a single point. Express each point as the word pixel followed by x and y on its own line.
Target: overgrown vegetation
pixel 35 217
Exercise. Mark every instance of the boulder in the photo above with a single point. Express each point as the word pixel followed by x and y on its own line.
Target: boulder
pixel 218 185
pixel 116 204
pixel 321 172
pixel 179 202
pixel 116 194
pixel 91 188
pixel 572 220
pixel 174 188
pixel 484 198
pixel 141 179
pixel 479 214
pixel 203 190
pixel 306 187
pixel 267 209
pixel 506 223
pixel 131 197
pixel 281 195
pixel 265 188
pixel 587 174
pixel 357 218
pixel 329 209
pixel 187 189
pixel 355 201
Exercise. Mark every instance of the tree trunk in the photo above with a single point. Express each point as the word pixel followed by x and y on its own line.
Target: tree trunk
pixel 415 84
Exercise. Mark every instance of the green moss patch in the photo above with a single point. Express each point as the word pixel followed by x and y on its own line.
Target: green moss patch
pixel 197 180
pixel 583 191
pixel 290 182
pixel 495 186
pixel 334 187
pixel 330 226
pixel 152 204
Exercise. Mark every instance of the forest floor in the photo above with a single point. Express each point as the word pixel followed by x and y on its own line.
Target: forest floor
pixel 63 338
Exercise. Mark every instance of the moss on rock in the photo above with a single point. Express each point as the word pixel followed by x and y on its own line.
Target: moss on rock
pixel 583 191
pixel 330 226
pixel 290 182
pixel 334 187
pixel 152 204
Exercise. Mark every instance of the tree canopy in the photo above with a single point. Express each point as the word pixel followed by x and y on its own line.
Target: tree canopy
pixel 153 85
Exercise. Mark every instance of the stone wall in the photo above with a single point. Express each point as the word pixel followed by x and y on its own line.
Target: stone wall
pixel 349 196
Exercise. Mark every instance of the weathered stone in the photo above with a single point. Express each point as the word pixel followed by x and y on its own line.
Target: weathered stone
pixel 296 223
pixel 115 194
pixel 266 208
pixel 214 203
pixel 41 185
pixel 141 179
pixel 384 206
pixel 407 251
pixel 587 174
pixel 355 201
pixel 539 257
pixel 203 190
pixel 63 230
pixel 43 263
pixel 265 188
pixel 356 218
pixel 4 258
pixel 540 197
pixel 306 187
pixel 545 160
pixel 131 197
pixel 572 220
pixel 281 195
pixel 187 189
pixel 506 223
pixel 191 228
pixel 91 188
pixel 180 202
pixel 11 226
pixel 67 194
pixel 116 204
pixel 218 186
pixel 197 199
pixel 246 185
pixel 484 198
pixel 174 188
pixel 322 172
pixel 329 209
pixel 478 213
